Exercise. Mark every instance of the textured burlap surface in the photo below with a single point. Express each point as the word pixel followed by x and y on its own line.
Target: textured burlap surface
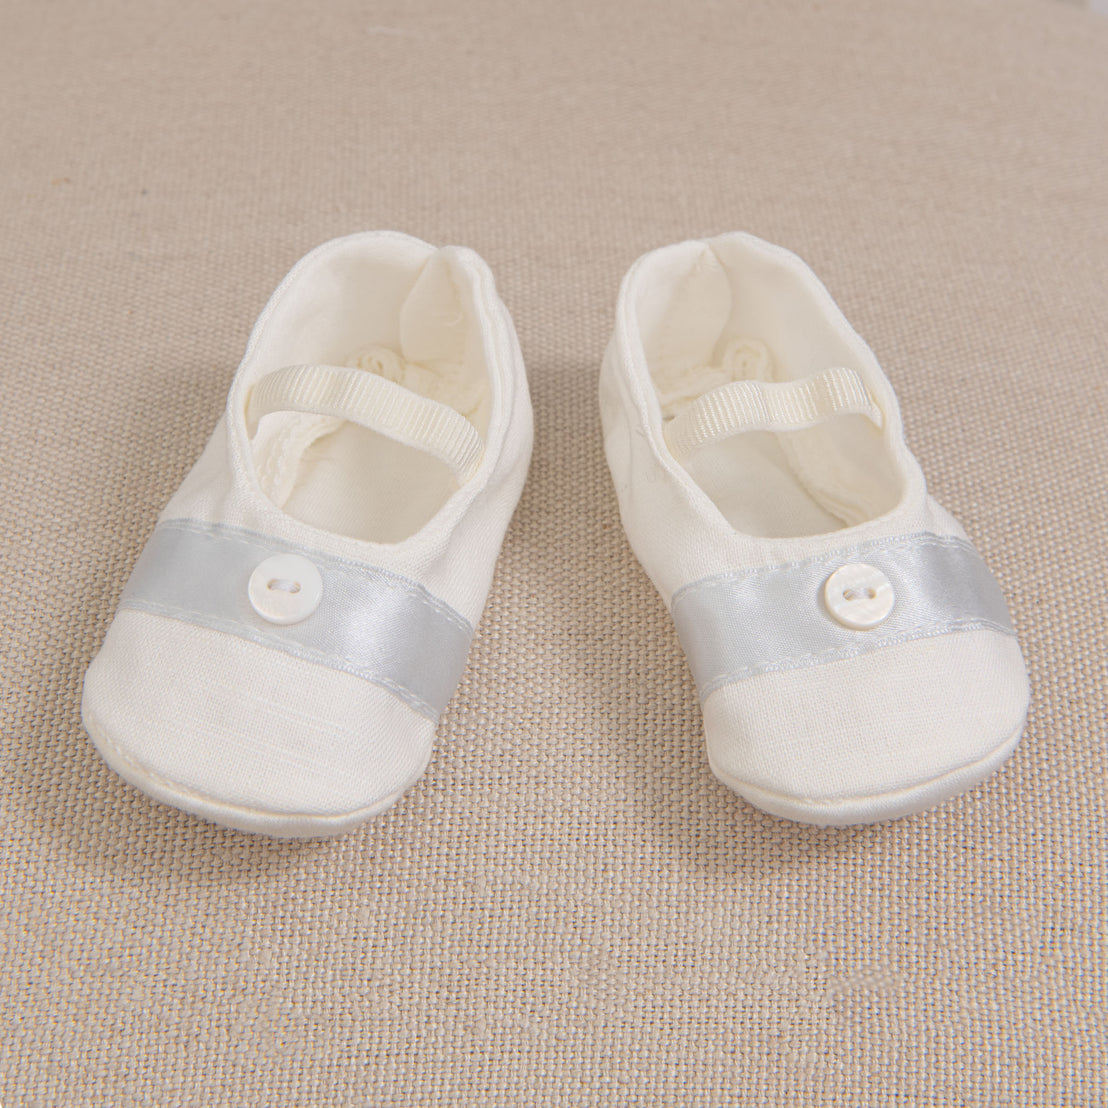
pixel 568 910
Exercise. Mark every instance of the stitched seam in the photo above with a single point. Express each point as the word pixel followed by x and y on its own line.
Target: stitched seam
pixel 852 650
pixel 187 791
pixel 260 638
pixel 830 805
pixel 338 565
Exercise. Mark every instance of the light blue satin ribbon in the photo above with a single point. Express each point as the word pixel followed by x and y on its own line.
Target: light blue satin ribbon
pixel 737 625
pixel 371 623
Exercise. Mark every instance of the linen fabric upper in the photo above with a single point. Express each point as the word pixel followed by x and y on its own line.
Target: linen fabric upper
pixel 757 451
pixel 302 612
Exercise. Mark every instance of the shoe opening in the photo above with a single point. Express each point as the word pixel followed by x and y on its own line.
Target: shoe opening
pixel 406 314
pixel 712 314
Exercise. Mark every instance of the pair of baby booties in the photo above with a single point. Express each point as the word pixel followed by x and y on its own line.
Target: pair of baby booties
pixel 301 614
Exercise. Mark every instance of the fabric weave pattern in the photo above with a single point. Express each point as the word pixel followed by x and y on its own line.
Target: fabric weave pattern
pixel 568 909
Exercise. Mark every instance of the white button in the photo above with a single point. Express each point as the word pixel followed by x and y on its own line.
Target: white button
pixel 285 588
pixel 859 596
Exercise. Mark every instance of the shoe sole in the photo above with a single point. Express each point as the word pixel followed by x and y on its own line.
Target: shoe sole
pixel 878 807
pixel 279 825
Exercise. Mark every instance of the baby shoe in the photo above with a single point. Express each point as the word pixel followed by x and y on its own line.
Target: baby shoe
pixel 854 656
pixel 301 614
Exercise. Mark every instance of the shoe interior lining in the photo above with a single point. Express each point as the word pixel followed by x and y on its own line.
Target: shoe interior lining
pixel 409 315
pixel 709 314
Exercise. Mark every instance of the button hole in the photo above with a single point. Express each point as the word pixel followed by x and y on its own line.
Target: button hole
pixel 859 594
pixel 283 584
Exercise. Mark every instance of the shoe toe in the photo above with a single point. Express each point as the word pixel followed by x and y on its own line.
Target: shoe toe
pixel 875 736
pixel 246 736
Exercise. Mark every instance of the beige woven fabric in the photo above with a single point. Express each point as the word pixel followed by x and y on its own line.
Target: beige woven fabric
pixel 568 910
